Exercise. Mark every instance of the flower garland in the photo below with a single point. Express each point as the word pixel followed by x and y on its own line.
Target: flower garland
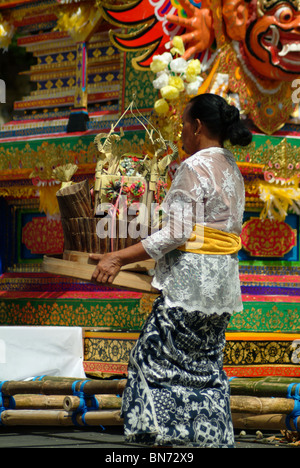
pixel 133 192
pixel 137 189
pixel 161 191
pixel 177 80
pixel 115 189
pixel 175 77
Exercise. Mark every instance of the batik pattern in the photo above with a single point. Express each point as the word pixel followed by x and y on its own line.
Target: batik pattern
pixel 177 392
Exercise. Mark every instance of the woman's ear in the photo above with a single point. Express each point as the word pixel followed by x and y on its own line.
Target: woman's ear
pixel 198 126
pixel 235 14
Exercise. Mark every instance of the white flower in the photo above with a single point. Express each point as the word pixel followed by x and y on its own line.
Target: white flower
pixel 161 80
pixel 192 88
pixel 178 65
pixel 165 57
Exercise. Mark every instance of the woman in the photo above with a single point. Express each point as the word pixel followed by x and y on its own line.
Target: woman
pixel 177 392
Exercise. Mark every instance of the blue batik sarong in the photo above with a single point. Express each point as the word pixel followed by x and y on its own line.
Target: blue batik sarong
pixel 177 393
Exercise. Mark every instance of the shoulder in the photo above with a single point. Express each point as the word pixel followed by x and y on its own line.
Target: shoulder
pixel 201 162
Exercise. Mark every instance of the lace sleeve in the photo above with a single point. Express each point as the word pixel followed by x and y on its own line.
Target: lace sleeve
pixel 182 207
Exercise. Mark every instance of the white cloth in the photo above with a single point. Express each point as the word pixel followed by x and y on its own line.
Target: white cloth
pixel 27 352
pixel 211 182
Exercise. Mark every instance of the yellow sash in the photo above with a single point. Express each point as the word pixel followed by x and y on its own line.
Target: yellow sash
pixel 206 240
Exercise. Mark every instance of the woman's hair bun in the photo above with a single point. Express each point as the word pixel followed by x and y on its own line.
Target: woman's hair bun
pixel 238 134
pixel 235 131
pixel 229 114
pixel 221 118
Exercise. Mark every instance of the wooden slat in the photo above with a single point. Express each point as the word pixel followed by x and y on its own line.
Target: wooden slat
pixel 125 279
pixel 83 257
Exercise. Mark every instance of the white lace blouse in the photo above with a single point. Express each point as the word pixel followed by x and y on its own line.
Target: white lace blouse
pixel 208 188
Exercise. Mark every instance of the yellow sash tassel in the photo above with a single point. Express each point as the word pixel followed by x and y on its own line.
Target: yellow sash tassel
pixel 206 240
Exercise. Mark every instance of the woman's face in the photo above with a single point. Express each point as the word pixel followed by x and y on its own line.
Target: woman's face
pixel 188 133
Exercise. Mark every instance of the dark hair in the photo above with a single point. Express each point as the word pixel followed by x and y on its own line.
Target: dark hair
pixel 221 119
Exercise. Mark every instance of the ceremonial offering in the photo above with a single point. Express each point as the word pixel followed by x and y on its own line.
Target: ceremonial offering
pixel 117 212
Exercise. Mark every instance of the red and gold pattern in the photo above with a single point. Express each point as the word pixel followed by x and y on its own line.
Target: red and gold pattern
pixel 43 236
pixel 268 104
pixel 268 238
pixel 245 354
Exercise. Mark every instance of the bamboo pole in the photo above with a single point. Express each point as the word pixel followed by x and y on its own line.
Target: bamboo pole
pixel 53 387
pixel 274 422
pixel 56 378
pixel 34 402
pixel 238 404
pixel 255 405
pixel 113 418
pixel 60 418
pixel 72 403
pixel 97 418
pixel 263 388
pixel 279 379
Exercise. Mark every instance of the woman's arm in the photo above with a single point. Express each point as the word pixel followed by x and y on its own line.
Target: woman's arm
pixel 109 264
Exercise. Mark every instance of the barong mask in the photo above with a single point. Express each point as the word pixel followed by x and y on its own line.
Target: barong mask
pixel 268 31
pixel 269 35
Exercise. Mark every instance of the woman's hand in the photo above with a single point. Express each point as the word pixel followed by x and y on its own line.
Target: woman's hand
pixel 109 264
pixel 107 268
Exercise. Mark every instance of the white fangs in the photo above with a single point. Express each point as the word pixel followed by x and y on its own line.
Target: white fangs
pixel 289 48
pixel 275 35
pixel 273 39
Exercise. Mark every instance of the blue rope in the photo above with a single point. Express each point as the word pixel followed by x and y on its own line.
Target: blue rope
pixel 294 415
pixel 11 402
pixel 83 408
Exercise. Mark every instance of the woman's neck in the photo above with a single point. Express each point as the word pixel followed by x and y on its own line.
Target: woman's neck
pixel 207 141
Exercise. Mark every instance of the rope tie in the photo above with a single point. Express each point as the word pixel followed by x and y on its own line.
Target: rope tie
pixel 294 415
pixel 83 408
pixel 11 402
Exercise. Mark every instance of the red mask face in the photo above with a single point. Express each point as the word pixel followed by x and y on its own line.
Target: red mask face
pixel 272 41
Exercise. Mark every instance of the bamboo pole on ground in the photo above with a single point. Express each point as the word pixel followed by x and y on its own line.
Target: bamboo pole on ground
pixel 53 387
pixel 60 418
pixel 51 401
pixel 27 401
pixel 269 378
pixel 263 388
pixel 56 378
pixel 72 403
pixel 274 422
pixel 238 404
pixel 255 405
